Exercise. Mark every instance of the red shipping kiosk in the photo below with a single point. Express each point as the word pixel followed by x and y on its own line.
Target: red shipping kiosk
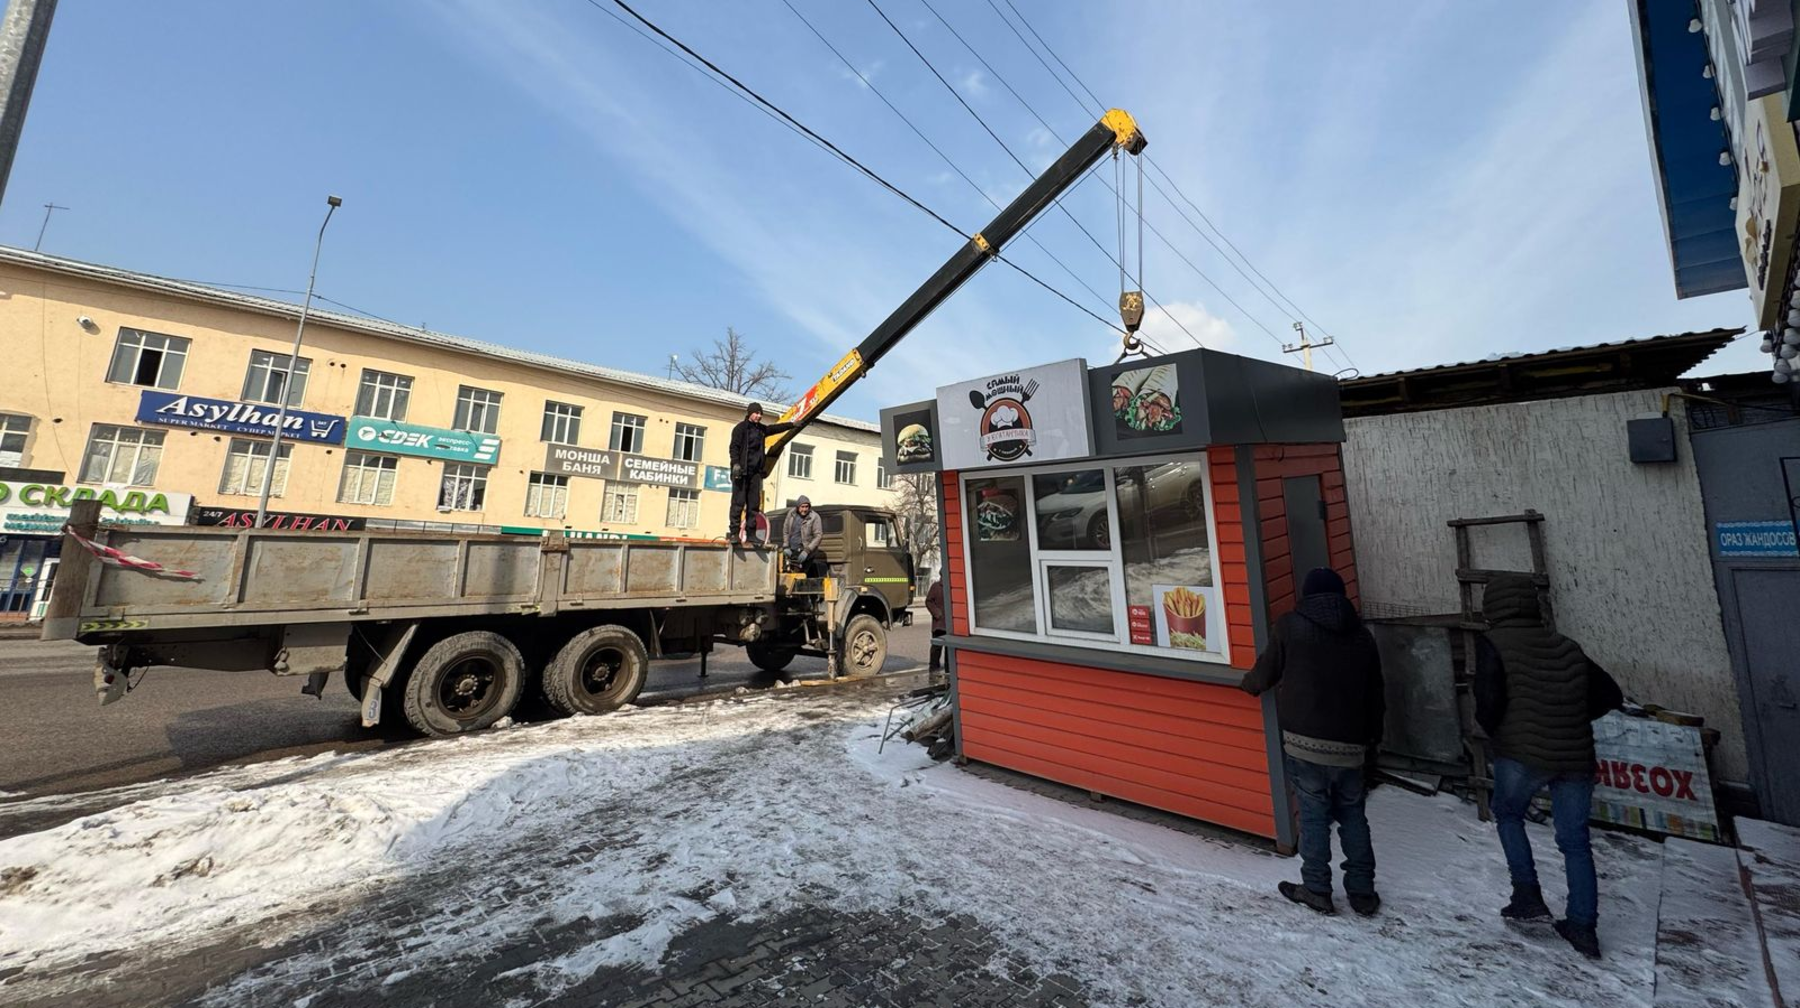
pixel 1116 544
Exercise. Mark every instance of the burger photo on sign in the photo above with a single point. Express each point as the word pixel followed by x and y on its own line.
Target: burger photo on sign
pixel 913 443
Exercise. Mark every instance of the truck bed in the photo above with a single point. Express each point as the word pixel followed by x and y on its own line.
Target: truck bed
pixel 251 577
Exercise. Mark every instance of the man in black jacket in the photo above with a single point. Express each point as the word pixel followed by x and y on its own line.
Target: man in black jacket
pixel 1329 697
pixel 1537 695
pixel 747 453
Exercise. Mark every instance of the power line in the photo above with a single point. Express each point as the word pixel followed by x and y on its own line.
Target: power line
pixel 1291 304
pixel 809 133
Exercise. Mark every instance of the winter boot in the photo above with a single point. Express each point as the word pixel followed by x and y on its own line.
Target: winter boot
pixel 1527 906
pixel 1307 898
pixel 1365 904
pixel 1582 938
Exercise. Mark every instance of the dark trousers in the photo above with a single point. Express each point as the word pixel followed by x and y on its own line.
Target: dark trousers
pixel 812 565
pixel 1571 802
pixel 746 495
pixel 937 651
pixel 1330 794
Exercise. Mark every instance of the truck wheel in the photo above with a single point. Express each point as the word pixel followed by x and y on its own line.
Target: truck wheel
pixel 772 658
pixel 599 670
pixel 464 683
pixel 864 648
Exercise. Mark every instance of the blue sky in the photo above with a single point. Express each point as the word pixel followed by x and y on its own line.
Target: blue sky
pixel 534 174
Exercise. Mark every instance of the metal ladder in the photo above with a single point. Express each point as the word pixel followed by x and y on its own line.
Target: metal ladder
pixel 1468 576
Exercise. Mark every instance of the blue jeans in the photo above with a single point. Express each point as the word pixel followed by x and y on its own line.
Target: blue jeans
pixel 1571 801
pixel 1328 793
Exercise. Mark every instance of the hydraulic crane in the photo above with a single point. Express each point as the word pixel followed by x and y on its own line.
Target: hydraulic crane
pixel 1116 130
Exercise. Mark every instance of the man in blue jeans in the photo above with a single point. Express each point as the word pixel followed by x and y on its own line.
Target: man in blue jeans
pixel 1536 696
pixel 1325 669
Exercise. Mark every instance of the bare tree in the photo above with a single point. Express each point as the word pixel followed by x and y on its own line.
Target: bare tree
pixel 732 365
pixel 915 500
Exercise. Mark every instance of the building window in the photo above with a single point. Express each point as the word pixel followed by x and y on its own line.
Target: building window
pixel 684 509
pixel 383 395
pixel 368 478
pixel 620 505
pixel 562 423
pixel 464 488
pixel 14 430
pixel 147 358
pixel 690 441
pixel 881 474
pixel 1120 555
pixel 126 455
pixel 244 464
pixel 627 433
pixel 547 496
pixel 800 461
pixel 477 410
pixel 268 375
pixel 845 470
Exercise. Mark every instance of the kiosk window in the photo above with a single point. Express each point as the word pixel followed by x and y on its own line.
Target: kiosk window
pixel 1000 570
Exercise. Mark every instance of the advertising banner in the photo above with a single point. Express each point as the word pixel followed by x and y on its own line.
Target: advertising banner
pixel 909 437
pixel 174 410
pixel 282 520
pixel 661 472
pixel 42 508
pixel 568 460
pixel 372 434
pixel 1038 414
pixel 1651 775
pixel 1768 203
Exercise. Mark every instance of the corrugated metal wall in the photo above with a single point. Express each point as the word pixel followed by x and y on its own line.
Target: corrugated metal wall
pixel 1630 570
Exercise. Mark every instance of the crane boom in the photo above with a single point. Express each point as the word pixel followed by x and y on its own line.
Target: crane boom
pixel 1116 129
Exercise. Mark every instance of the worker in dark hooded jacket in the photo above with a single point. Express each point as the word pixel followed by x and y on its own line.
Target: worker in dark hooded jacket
pixel 1537 695
pixel 747 453
pixel 1326 672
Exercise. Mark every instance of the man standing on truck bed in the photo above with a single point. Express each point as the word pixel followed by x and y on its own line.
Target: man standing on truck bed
pixel 747 453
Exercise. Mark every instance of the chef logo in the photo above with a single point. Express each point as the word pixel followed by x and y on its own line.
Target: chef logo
pixel 1006 433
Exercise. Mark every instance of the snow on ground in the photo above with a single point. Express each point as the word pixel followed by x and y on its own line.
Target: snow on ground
pixel 745 808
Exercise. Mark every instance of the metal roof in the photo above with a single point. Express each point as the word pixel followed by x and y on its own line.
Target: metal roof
pixel 388 330
pixel 1649 362
pixel 1694 191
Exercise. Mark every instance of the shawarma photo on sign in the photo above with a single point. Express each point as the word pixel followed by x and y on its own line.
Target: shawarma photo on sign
pixel 1146 402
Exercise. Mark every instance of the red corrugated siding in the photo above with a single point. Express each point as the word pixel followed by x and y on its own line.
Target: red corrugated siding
pixel 1196 749
pixel 950 507
pixel 1234 573
pixel 1275 463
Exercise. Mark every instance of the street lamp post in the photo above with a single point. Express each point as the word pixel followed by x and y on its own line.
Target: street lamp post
pixel 287 387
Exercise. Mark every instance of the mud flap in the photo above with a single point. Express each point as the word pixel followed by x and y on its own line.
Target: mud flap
pixel 371 705
pixel 315 685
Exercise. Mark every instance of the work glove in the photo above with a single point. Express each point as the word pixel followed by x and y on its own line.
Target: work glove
pixel 737 472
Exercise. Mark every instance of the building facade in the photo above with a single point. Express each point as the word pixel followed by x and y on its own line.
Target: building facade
pixel 161 398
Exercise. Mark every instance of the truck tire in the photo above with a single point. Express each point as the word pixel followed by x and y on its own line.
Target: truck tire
pixel 864 647
pixel 771 658
pixel 599 670
pixel 463 683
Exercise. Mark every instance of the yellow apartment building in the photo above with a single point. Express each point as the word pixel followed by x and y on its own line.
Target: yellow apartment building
pixel 161 398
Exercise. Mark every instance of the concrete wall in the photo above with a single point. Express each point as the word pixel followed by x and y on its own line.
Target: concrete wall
pixel 1631 577
pixel 55 373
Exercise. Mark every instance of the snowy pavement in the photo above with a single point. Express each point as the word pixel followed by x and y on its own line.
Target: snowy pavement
pixel 755 850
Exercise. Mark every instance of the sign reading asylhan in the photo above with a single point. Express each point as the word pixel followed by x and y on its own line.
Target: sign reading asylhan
pixel 1038 414
pixel 237 417
pixel 374 434
pixel 286 521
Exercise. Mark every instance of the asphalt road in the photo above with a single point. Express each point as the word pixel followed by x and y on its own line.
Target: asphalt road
pixel 59 740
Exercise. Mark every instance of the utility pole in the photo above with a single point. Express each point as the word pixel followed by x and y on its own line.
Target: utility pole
pixel 23 32
pixel 287 386
pixel 49 208
pixel 672 359
pixel 1305 347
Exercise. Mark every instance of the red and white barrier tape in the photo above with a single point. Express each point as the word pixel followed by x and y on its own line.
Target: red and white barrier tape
pixel 115 558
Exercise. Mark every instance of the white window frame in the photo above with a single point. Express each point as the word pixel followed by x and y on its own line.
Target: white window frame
pixel 620 492
pixel 255 452
pixel 626 427
pixel 376 386
pixel 562 423
pixel 690 441
pixel 383 469
pixel 477 410
pixel 265 365
pixel 144 439
pixel 690 509
pixel 795 454
pixel 15 425
pixel 463 475
pixel 882 480
pixel 541 485
pixel 839 462
pixel 173 349
pixel 1112 558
